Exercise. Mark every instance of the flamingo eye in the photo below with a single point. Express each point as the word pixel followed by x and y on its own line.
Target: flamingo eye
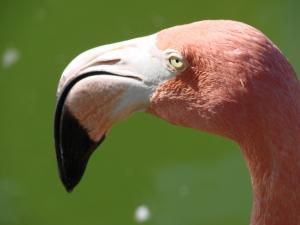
pixel 177 62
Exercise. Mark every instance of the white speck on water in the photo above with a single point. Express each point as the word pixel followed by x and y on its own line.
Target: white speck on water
pixel 10 57
pixel 142 214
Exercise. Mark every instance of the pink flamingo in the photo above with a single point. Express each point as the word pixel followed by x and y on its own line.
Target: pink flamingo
pixel 222 77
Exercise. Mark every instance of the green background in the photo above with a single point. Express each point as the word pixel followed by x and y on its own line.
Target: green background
pixel 183 176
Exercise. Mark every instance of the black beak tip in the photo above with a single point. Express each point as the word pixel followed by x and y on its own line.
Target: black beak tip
pixel 71 174
pixel 71 178
pixel 73 148
pixel 69 186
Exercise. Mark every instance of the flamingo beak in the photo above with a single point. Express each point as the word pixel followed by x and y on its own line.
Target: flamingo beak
pixel 98 88
pixel 86 108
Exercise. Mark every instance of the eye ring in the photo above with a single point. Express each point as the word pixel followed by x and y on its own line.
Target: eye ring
pixel 176 62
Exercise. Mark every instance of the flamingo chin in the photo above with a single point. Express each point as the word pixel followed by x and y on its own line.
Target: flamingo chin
pixel 223 77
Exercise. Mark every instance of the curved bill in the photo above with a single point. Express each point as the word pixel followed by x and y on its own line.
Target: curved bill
pixel 86 108
pixel 98 88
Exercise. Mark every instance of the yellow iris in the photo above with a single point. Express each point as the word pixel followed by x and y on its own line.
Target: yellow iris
pixel 177 62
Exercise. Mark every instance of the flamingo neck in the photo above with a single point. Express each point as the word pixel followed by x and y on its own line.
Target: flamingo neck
pixel 273 159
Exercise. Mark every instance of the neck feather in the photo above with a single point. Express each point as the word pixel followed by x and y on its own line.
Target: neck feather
pixel 272 154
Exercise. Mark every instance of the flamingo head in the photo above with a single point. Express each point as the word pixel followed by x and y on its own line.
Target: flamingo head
pixel 199 75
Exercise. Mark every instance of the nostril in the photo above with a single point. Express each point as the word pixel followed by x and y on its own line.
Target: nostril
pixel 106 62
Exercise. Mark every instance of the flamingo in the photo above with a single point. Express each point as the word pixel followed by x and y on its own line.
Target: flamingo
pixel 218 76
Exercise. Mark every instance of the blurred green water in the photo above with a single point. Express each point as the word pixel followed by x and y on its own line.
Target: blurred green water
pixel 183 176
